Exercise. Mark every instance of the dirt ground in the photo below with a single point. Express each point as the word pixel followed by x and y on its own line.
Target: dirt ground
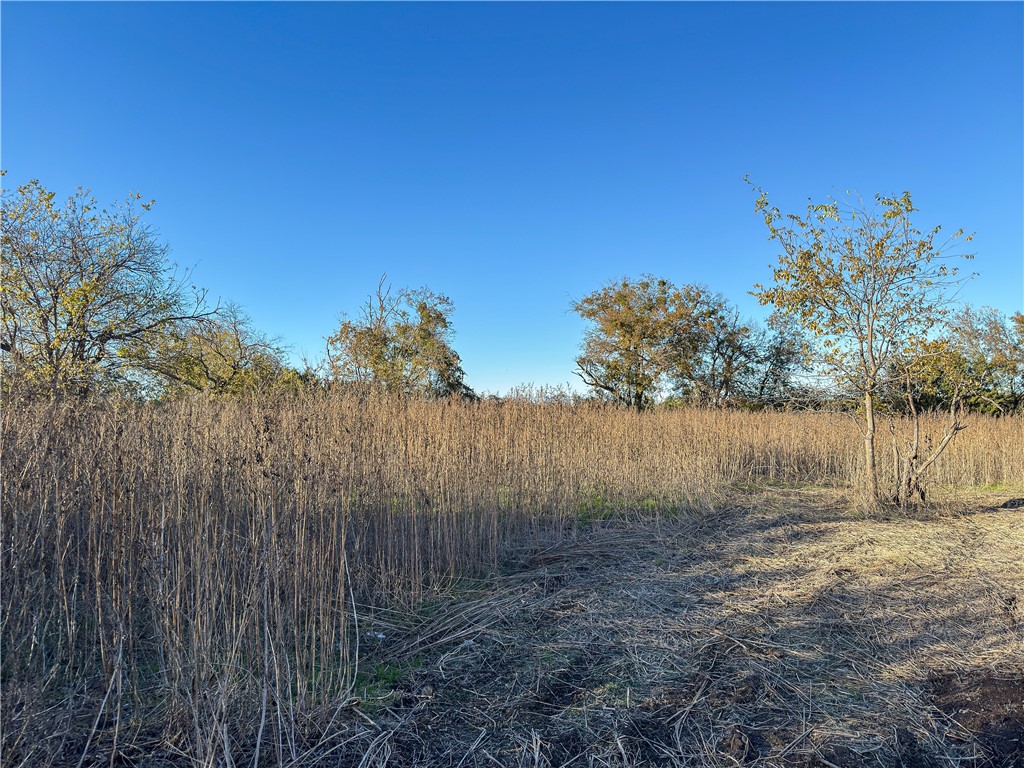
pixel 786 631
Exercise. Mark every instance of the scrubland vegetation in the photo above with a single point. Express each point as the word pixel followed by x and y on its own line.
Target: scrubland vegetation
pixel 212 558
pixel 185 580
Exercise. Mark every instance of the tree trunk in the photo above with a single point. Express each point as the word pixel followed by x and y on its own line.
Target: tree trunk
pixel 871 469
pixel 638 400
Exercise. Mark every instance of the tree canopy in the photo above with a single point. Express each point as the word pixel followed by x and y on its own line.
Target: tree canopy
pixel 223 355
pixel 647 338
pixel 992 345
pixel 639 331
pixel 82 289
pixel 402 342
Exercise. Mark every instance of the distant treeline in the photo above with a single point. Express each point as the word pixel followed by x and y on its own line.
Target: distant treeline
pixel 92 306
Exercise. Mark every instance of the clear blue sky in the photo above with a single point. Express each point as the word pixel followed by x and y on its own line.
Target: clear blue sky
pixel 513 156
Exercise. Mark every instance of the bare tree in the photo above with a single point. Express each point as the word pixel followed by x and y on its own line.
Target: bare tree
pixel 933 372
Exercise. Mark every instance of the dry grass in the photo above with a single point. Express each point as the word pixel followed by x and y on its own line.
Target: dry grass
pixel 789 633
pixel 179 580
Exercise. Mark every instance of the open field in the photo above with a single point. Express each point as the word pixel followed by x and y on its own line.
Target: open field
pixel 204 583
pixel 786 632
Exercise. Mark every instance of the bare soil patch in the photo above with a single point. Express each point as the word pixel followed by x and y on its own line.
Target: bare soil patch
pixel 990 707
pixel 788 632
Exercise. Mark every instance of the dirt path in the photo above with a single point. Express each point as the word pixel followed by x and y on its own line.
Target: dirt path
pixel 787 634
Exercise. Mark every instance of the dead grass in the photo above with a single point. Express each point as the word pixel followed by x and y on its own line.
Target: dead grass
pixel 788 632
pixel 192 583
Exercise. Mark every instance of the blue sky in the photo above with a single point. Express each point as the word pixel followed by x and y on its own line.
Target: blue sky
pixel 513 156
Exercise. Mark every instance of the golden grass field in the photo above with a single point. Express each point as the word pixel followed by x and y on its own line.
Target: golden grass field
pixel 205 583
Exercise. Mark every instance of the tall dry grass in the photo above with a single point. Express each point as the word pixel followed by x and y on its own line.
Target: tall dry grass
pixel 180 580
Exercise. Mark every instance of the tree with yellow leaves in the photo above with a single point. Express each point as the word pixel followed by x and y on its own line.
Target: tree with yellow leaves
pixel 642 333
pixel 83 289
pixel 223 356
pixel 402 342
pixel 868 284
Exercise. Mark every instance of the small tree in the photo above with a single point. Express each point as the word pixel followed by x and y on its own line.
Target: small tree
pixel 867 283
pixel 641 331
pixel 937 374
pixel 80 286
pixel 780 355
pixel 401 342
pixel 223 355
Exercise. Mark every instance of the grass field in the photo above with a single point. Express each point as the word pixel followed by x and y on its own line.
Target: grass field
pixel 346 581
pixel 785 631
